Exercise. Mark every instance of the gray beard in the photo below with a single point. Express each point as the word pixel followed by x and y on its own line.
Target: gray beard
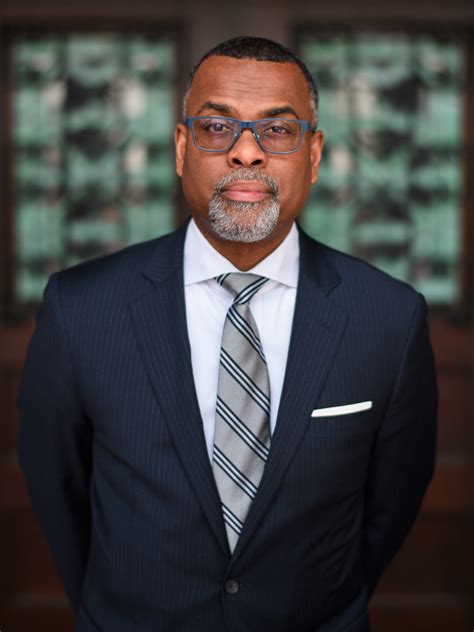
pixel 244 221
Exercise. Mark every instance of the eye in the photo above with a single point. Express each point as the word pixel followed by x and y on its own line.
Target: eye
pixel 278 129
pixel 215 127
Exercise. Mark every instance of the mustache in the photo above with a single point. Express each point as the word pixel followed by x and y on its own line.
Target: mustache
pixel 244 174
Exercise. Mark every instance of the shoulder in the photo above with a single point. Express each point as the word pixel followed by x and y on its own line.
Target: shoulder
pixel 383 315
pixel 122 273
pixel 357 282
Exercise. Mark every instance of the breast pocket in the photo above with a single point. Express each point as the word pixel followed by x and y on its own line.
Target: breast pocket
pixel 343 426
pixel 335 453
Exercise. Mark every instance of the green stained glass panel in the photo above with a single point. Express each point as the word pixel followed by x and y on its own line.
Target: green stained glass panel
pixel 94 117
pixel 390 183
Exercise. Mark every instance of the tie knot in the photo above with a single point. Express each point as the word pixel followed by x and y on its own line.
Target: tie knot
pixel 244 286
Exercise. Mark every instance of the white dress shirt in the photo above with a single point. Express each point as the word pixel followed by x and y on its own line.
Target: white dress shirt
pixel 207 304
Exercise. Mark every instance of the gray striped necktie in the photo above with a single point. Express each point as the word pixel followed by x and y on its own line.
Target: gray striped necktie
pixel 242 434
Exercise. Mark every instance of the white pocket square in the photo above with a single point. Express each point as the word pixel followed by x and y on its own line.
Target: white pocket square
pixel 333 411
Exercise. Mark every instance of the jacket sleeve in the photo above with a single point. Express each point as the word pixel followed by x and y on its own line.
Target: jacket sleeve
pixel 55 444
pixel 403 455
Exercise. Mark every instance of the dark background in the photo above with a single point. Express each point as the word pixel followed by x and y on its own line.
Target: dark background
pixel 430 584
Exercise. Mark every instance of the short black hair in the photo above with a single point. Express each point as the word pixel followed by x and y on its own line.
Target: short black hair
pixel 259 49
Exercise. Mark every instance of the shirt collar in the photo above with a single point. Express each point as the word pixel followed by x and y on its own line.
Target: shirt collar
pixel 203 262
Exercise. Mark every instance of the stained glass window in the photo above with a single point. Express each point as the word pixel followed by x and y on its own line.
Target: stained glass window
pixel 93 122
pixel 390 181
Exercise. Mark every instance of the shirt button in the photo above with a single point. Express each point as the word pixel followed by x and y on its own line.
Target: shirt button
pixel 231 586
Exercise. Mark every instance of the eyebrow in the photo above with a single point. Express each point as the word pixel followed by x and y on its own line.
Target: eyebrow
pixel 229 111
pixel 285 109
pixel 212 105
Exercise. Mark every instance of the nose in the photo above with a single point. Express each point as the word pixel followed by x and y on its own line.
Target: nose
pixel 246 152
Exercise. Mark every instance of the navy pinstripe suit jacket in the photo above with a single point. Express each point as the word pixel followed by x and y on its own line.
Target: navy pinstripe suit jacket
pixel 113 450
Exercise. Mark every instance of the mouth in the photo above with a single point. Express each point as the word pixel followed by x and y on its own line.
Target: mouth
pixel 246 191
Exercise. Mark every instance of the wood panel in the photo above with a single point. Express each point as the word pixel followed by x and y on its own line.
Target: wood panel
pixel 426 613
pixel 28 613
pixel 455 406
pixel 432 560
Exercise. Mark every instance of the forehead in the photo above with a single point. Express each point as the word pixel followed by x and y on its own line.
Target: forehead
pixel 249 87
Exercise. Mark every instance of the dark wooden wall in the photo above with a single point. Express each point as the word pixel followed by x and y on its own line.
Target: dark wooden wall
pixel 430 584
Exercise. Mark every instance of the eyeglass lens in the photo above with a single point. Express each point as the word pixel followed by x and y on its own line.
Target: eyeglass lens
pixel 216 134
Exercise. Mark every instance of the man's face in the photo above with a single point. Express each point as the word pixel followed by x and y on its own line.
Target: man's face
pixel 245 194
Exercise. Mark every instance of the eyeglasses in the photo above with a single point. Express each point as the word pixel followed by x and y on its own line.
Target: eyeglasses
pixel 273 135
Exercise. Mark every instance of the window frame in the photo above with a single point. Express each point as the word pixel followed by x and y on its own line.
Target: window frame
pixel 462 311
pixel 11 310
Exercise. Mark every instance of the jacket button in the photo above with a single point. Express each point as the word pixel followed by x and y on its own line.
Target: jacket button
pixel 231 586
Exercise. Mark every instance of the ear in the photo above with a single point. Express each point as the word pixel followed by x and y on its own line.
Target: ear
pixel 180 140
pixel 316 151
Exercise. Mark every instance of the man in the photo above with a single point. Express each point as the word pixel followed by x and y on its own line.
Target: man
pixel 231 427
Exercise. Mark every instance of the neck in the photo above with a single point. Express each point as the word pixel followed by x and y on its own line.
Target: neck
pixel 244 256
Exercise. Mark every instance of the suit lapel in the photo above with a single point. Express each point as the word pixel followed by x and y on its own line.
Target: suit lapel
pixel 318 325
pixel 159 319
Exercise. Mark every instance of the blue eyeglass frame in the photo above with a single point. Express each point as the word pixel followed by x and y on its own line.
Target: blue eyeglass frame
pixel 305 127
